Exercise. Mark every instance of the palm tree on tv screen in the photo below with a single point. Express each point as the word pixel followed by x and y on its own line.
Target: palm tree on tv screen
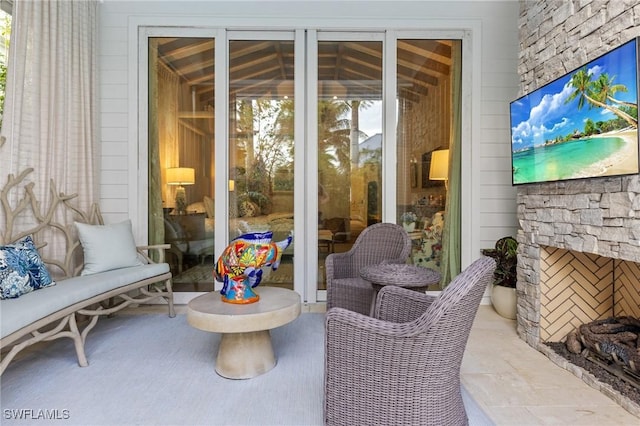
pixel 606 89
pixel 597 93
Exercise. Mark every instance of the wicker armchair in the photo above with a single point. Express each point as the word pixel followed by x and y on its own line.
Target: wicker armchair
pixel 403 365
pixel 376 243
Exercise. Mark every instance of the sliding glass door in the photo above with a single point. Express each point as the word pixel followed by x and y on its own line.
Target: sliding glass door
pixel 312 133
pixel 262 142
pixel 427 101
pixel 181 151
pixel 349 139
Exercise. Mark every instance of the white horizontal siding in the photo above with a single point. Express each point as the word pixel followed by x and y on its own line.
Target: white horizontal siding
pixel 113 191
pixel 108 148
pixel 115 90
pixel 495 200
pixel 113 105
pixel 498 164
pixel 117 177
pixel 114 134
pixel 113 119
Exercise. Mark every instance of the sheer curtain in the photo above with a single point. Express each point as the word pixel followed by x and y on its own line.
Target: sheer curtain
pixel 51 102
pixel 451 245
pixel 164 149
pixel 156 218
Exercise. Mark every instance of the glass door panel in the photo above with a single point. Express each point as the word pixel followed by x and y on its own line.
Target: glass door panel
pixel 425 120
pixel 181 156
pixel 349 143
pixel 261 145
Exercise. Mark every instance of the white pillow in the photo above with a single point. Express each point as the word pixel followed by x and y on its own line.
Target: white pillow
pixel 208 206
pixel 196 207
pixel 107 247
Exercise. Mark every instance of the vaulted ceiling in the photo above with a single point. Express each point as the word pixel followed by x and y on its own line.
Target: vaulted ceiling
pixel 261 68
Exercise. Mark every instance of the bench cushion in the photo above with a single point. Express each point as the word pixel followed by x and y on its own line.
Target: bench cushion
pixel 20 312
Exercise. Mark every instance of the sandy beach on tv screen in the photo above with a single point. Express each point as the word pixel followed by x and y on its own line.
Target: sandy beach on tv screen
pixel 625 161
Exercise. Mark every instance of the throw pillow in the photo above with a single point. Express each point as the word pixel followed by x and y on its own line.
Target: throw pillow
pixel 208 206
pixel 22 269
pixel 248 209
pixel 197 207
pixel 107 247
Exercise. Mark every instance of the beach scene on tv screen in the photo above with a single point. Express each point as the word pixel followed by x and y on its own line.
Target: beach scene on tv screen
pixel 584 124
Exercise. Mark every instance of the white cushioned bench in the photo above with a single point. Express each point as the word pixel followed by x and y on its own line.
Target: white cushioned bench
pixel 72 306
pixel 29 308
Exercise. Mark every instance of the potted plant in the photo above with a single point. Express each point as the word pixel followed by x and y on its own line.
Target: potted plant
pixel 503 291
pixel 408 220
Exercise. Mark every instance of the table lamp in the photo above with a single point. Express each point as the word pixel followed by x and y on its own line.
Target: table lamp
pixel 181 176
pixel 439 169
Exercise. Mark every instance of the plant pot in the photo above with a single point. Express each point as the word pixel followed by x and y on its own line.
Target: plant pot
pixel 409 227
pixel 504 301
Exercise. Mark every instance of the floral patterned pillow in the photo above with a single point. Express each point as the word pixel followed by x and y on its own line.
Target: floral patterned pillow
pixel 21 269
pixel 248 209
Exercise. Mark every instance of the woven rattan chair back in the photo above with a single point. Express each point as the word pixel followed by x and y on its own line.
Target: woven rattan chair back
pixel 403 366
pixel 376 244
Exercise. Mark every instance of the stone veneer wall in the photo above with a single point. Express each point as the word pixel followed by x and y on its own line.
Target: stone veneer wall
pixel 599 216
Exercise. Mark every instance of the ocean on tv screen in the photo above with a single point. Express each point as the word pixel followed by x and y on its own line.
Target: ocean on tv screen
pixel 602 155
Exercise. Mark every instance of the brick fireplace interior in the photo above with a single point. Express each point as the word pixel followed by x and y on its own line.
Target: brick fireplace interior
pixel 577 288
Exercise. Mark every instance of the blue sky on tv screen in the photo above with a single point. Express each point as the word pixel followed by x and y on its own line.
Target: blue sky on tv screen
pixel 543 114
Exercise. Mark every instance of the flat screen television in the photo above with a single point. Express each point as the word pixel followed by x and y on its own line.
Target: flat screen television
pixel 582 125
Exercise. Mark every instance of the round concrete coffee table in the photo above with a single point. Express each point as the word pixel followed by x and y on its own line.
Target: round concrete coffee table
pixel 245 349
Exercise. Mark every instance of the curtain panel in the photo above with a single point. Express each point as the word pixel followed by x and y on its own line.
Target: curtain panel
pixel 452 232
pixel 50 116
pixel 163 140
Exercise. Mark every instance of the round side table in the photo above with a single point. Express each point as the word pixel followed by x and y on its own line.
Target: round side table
pixel 398 274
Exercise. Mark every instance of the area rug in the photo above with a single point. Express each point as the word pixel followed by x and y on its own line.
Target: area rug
pixel 154 370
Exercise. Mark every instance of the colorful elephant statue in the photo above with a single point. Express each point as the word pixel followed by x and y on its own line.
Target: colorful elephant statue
pixel 239 267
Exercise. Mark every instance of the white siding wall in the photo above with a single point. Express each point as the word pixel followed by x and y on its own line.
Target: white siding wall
pixel 490 199
pixel 495 205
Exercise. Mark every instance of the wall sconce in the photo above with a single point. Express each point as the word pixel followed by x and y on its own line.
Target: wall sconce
pixel 232 185
pixel 413 172
pixel 181 176
pixel 439 169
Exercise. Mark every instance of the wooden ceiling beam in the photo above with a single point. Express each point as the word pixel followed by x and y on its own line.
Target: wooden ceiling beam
pixel 262 65
pixel 174 49
pixel 436 50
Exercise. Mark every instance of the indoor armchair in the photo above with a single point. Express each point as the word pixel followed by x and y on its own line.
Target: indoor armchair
pixel 378 243
pixel 403 365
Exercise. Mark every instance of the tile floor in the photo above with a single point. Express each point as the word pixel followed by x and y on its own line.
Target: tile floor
pixel 517 385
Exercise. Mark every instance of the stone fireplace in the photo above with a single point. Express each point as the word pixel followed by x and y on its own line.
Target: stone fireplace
pixel 578 257
pixel 596 221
